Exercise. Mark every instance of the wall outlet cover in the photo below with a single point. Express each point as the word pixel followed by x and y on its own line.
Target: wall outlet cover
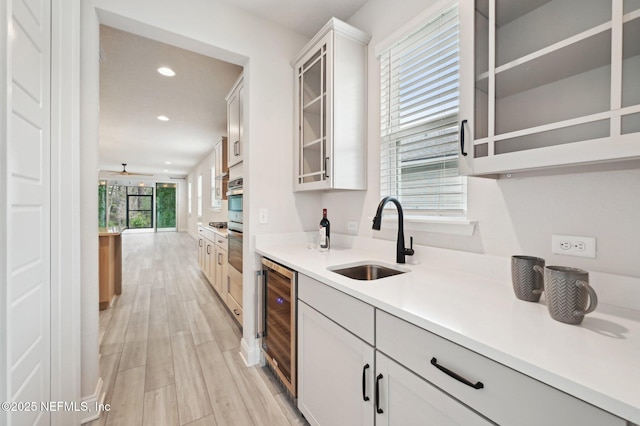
pixel 573 245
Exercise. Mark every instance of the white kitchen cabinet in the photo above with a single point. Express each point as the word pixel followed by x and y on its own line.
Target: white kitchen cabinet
pixel 330 110
pixel 202 249
pixel 233 296
pixel 335 372
pixel 221 269
pixel 221 177
pixel 235 123
pixel 497 392
pixel 563 96
pixel 406 399
pixel 335 366
pixel 212 259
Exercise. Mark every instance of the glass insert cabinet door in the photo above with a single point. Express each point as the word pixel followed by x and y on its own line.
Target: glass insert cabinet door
pixel 630 87
pixel 549 83
pixel 520 72
pixel 314 156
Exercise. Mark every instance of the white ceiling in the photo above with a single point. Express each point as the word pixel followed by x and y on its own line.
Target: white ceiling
pixel 133 94
pixel 302 16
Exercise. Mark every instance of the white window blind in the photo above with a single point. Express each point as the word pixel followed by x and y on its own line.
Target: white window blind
pixel 419 123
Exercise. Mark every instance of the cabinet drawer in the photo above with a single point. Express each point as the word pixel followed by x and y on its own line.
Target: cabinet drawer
pixel 349 312
pixel 235 308
pixel 221 242
pixel 235 285
pixel 206 233
pixel 507 396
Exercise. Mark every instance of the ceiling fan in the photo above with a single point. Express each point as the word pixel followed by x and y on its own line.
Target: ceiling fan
pixel 124 172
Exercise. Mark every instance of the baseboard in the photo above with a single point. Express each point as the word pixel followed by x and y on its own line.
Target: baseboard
pixel 250 353
pixel 94 403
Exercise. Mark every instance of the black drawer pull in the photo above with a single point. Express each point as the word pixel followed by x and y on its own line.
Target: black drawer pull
pixel 364 383
pixel 378 409
pixel 462 138
pixel 476 385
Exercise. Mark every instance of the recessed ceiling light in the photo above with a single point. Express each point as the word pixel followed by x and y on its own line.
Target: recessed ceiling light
pixel 163 118
pixel 165 170
pixel 167 162
pixel 166 71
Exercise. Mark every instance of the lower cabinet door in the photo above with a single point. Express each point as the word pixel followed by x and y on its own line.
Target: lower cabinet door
pixel 335 372
pixel 403 398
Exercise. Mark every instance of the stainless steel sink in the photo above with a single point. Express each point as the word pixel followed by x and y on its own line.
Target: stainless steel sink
pixel 366 271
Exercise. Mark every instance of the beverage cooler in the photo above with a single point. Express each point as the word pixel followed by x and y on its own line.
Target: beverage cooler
pixel 278 303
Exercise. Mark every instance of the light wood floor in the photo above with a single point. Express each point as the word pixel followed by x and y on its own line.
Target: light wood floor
pixel 170 350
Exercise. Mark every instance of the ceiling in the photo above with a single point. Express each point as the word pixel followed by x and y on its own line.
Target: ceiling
pixel 302 16
pixel 133 94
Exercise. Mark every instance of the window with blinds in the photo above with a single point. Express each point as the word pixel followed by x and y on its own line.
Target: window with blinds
pixel 419 123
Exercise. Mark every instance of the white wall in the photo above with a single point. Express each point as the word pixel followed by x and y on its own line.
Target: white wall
pixel 517 215
pixel 208 214
pixel 221 30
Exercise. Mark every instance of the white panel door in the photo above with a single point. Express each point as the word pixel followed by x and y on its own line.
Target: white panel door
pixel 26 217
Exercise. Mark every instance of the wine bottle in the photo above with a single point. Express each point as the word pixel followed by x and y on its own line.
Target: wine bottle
pixel 324 230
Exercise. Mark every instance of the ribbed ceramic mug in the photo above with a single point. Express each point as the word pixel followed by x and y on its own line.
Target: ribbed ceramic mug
pixel 527 281
pixel 568 294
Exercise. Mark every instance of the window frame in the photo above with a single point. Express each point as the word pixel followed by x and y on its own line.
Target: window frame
pixel 421 216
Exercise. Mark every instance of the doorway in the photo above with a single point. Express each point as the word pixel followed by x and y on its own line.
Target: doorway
pixel 166 207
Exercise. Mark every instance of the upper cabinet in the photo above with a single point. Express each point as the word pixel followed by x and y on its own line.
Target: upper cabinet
pixel 330 110
pixel 221 177
pixel 235 123
pixel 548 84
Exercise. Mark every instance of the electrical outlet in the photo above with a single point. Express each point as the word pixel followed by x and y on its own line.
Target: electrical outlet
pixel 573 246
pixel 352 226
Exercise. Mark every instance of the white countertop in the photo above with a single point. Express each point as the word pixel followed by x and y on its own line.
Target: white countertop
pixel 220 231
pixel 468 299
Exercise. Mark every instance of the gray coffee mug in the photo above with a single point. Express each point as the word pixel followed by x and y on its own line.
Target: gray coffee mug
pixel 527 281
pixel 568 294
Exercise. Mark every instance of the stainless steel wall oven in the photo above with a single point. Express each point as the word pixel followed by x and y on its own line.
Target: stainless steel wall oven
pixel 234 226
pixel 279 309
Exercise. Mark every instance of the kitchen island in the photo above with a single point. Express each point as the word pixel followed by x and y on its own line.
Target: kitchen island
pixel 109 264
pixel 467 299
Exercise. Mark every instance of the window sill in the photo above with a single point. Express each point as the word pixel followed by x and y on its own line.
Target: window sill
pixel 440 225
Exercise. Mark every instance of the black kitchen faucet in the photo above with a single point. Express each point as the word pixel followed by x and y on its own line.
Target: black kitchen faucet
pixel 401 251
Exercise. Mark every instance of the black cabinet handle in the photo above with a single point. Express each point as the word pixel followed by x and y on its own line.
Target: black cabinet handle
pixel 326 169
pixel 378 409
pixel 364 383
pixel 462 137
pixel 208 249
pixel 476 385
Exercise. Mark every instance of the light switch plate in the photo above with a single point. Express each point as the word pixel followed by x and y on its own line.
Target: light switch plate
pixel 573 246
pixel 263 215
